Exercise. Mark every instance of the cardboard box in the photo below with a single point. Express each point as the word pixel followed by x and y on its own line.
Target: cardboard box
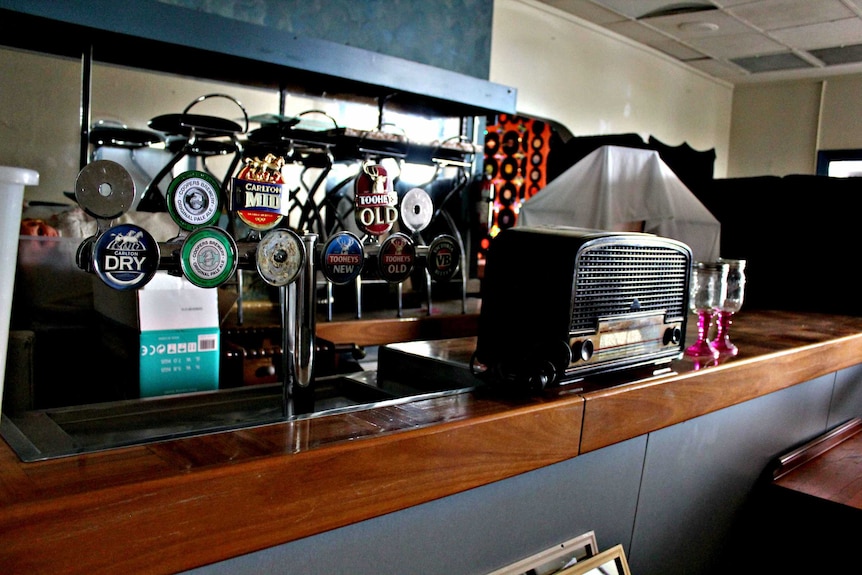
pixel 178 328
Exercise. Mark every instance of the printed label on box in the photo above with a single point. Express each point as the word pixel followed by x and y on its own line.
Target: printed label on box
pixel 179 361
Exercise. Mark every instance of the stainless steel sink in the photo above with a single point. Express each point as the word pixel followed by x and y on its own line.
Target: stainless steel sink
pixel 405 372
pixel 50 433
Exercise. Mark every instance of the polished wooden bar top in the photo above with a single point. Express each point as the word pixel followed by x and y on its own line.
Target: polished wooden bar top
pixel 827 468
pixel 175 505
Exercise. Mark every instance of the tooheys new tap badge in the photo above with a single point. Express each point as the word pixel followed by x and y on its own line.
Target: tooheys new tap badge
pixel 375 202
pixel 260 196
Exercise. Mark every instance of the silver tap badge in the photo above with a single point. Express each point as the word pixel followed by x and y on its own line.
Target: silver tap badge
pixel 280 257
pixel 375 202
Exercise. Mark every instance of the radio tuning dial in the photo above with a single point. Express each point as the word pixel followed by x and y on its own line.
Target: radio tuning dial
pixel 582 350
pixel 672 335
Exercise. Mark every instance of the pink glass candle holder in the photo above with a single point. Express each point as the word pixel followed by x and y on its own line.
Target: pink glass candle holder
pixel 731 304
pixel 708 290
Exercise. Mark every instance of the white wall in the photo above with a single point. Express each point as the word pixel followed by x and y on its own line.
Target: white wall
pixel 774 129
pixel 595 82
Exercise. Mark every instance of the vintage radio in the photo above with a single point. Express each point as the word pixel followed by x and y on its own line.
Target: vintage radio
pixel 559 303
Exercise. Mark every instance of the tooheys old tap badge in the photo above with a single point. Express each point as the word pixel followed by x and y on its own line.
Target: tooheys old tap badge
pixel 396 258
pixel 259 192
pixel 375 202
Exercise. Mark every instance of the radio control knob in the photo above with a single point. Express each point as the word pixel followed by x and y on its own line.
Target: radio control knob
pixel 672 335
pixel 582 350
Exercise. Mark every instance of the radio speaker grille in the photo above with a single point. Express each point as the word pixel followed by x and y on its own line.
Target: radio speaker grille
pixel 614 279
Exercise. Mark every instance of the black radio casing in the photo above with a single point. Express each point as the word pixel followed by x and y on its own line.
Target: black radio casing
pixel 559 303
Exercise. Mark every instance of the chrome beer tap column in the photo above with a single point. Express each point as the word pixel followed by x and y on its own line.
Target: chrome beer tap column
pixel 305 313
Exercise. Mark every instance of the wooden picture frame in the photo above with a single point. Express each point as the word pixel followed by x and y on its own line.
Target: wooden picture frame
pixel 609 562
pixel 554 559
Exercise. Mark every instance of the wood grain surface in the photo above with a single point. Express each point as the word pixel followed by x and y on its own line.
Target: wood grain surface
pixel 170 506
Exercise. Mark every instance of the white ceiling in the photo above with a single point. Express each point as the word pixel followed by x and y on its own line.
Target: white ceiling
pixel 740 41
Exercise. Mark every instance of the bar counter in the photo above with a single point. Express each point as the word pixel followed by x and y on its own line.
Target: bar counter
pixel 175 505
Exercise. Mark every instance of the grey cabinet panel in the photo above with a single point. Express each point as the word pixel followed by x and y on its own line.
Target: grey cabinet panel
pixel 476 531
pixel 847 398
pixel 699 474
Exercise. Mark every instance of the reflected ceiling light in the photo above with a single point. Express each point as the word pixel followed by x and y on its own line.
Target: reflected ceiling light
pixel 699 26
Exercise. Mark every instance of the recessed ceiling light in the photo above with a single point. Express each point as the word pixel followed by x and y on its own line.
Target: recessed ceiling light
pixel 698 26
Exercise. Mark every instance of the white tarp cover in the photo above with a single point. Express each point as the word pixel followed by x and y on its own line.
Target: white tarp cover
pixel 614 186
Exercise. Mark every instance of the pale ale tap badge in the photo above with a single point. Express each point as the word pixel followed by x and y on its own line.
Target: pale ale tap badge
pixel 208 257
pixel 260 195
pixel 375 202
pixel 194 200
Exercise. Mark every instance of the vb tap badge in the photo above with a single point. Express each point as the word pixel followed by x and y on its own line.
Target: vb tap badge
pixel 260 196
pixel 375 202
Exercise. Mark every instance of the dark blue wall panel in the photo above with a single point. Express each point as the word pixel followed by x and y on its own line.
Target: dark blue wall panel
pixel 450 34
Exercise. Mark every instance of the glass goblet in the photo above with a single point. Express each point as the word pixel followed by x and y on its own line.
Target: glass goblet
pixel 731 304
pixel 708 289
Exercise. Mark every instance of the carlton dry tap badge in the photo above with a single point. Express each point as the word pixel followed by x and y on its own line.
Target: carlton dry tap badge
pixel 125 257
pixel 375 202
pixel 260 196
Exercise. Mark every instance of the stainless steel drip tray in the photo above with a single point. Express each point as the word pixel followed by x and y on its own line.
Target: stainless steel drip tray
pixel 50 433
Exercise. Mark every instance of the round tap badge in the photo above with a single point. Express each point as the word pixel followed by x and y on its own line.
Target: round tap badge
pixel 343 257
pixel 260 196
pixel 416 209
pixel 444 255
pixel 104 189
pixel 280 257
pixel 375 202
pixel 125 257
pixel 208 257
pixel 396 258
pixel 194 200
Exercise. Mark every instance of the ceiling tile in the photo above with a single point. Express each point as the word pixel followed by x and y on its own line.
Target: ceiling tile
pixel 638 8
pixel 777 14
pixel 838 32
pixel 737 45
pixel 587 10
pixel 685 26
pixel 717 68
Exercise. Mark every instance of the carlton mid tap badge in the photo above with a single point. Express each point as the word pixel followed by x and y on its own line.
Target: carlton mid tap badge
pixel 375 202
pixel 126 257
pixel 260 196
